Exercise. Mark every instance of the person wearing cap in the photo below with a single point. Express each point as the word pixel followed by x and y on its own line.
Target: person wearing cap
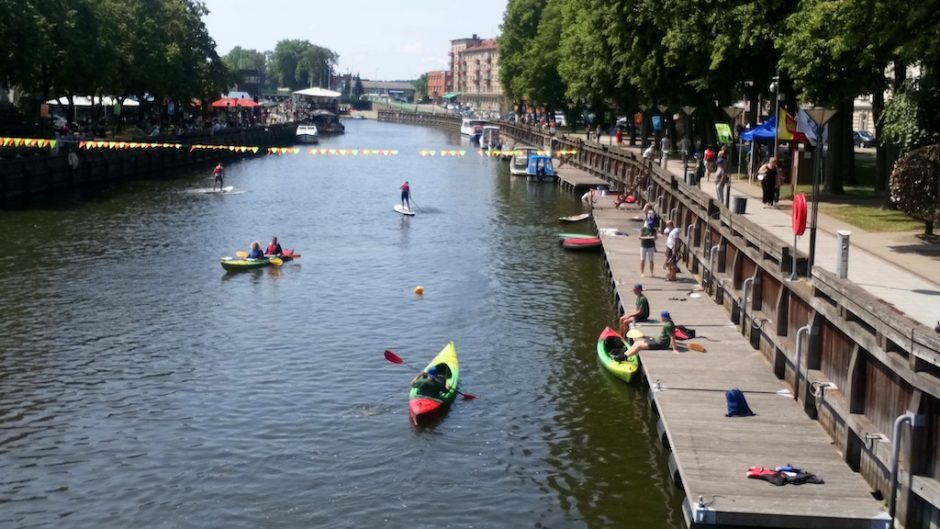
pixel 641 310
pixel 665 340
pixel 431 383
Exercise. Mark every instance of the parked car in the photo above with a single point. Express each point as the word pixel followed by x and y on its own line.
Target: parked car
pixel 863 138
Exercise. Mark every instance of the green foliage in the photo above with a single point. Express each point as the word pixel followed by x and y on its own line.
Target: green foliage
pixel 421 87
pixel 915 184
pixel 299 64
pixel 900 124
pixel 520 26
pixel 244 59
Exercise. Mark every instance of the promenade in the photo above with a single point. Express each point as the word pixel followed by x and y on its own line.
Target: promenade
pixel 894 266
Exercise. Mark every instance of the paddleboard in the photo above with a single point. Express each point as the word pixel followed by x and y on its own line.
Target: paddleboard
pixel 404 211
pixel 575 218
pixel 226 189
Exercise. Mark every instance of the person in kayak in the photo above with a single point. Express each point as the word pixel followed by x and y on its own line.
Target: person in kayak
pixel 217 173
pixel 405 195
pixel 274 248
pixel 256 251
pixel 640 313
pixel 666 339
pixel 431 383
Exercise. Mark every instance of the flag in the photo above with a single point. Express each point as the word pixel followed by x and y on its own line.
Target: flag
pixel 788 129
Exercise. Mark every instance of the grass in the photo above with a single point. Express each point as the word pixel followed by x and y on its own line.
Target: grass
pixel 872 218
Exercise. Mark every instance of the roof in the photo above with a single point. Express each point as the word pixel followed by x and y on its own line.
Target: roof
pixel 388 85
pixel 488 44
pixel 317 92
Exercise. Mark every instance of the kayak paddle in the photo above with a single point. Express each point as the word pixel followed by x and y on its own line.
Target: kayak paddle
pixel 241 253
pixel 395 359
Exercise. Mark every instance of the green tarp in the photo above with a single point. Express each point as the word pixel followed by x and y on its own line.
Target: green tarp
pixel 450 95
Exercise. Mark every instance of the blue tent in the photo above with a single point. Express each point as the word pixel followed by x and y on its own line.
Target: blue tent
pixel 766 131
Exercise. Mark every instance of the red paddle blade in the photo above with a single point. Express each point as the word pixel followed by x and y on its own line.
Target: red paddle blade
pixel 393 358
pixel 468 396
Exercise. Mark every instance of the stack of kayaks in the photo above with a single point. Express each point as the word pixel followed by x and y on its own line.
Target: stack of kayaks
pixel 425 407
pixel 607 343
pixel 582 243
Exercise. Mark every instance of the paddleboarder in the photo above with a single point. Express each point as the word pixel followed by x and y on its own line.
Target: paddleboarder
pixel 405 194
pixel 217 173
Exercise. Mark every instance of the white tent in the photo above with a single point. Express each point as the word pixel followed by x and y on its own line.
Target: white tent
pixel 85 101
pixel 318 92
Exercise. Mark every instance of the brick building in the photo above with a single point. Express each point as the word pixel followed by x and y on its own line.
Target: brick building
pixel 475 68
pixel 439 83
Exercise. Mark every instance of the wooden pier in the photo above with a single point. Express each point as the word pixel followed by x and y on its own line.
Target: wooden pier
pixel 708 453
pixel 577 180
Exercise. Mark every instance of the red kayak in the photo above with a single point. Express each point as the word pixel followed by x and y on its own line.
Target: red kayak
pixel 289 255
pixel 583 243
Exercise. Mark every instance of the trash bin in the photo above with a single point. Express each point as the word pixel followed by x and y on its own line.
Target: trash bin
pixel 740 205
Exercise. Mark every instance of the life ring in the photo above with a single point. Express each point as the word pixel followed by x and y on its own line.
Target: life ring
pixel 799 214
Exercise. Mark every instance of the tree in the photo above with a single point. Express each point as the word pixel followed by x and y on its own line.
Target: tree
pixel 358 89
pixel 915 185
pixel 519 27
pixel 298 64
pixel 244 59
pixel 421 87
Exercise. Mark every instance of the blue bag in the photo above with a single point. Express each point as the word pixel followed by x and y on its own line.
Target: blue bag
pixel 737 404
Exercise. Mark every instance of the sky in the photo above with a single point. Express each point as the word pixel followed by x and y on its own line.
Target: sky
pixel 379 40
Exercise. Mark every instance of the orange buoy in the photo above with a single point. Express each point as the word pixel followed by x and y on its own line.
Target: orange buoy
pixel 419 290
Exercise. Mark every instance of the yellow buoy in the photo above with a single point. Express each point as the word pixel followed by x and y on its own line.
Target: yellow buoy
pixel 419 290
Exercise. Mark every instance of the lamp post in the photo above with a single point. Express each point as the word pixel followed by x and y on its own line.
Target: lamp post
pixel 689 110
pixel 821 116
pixel 775 88
pixel 733 112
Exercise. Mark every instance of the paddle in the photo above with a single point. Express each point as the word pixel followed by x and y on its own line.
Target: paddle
pixel 697 347
pixel 395 359
pixel 241 253
pixel 276 261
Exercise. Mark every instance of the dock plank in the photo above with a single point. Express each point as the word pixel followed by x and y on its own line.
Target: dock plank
pixel 712 452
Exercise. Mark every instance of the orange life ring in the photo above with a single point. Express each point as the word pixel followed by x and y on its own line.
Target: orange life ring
pixel 799 214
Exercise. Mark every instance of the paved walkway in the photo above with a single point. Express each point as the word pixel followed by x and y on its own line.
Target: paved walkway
pixel 896 267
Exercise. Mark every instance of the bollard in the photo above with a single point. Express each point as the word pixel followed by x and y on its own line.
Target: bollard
pixel 842 266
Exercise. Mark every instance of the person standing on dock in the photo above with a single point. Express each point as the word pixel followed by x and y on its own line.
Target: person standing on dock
pixel 647 248
pixel 405 194
pixel 672 250
pixel 217 173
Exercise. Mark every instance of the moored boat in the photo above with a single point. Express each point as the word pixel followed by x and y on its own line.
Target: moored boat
pixel 540 168
pixel 520 160
pixel 575 218
pixel 423 407
pixel 610 342
pixel 582 244
pixel 307 133
pixel 563 236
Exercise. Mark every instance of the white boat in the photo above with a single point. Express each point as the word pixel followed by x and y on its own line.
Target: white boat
pixel 307 134
pixel 520 160
pixel 468 125
pixel 489 138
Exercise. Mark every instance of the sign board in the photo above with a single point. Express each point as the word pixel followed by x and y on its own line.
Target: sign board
pixel 724 133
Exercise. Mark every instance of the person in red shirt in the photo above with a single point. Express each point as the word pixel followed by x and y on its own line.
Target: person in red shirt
pixel 274 248
pixel 405 194
pixel 217 172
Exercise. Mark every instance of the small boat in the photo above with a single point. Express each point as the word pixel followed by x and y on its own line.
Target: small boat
pixel 520 160
pixel 403 210
pixel 575 218
pixel 563 236
pixel 540 168
pixel 467 126
pixel 423 407
pixel 580 244
pixel 608 342
pixel 288 255
pixel 489 140
pixel 238 264
pixel 307 133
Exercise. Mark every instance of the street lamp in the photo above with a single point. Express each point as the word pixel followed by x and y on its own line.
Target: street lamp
pixel 689 110
pixel 775 88
pixel 733 112
pixel 821 116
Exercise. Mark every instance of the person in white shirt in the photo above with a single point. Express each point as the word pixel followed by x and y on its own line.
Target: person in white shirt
pixel 672 250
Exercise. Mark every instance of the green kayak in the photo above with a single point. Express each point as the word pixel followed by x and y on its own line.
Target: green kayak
pixel 238 264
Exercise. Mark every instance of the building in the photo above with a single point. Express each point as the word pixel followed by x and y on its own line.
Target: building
pixel 439 83
pixel 475 69
pixel 403 91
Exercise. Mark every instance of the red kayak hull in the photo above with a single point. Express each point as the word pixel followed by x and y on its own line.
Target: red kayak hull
pixel 582 243
pixel 423 408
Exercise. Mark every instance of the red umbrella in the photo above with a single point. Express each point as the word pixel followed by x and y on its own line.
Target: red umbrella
pixel 225 102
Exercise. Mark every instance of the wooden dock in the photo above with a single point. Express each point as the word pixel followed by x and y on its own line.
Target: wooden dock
pixel 576 179
pixel 708 453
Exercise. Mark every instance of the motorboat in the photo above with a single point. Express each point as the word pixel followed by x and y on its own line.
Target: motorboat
pixel 519 163
pixel 469 125
pixel 489 138
pixel 307 133
pixel 327 122
pixel 540 168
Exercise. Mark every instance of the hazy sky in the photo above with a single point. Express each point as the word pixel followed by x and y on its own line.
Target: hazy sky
pixel 387 40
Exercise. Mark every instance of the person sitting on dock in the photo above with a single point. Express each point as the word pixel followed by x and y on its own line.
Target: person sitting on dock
pixel 256 252
pixel 405 194
pixel 274 248
pixel 666 339
pixel 641 312
pixel 217 173
pixel 431 383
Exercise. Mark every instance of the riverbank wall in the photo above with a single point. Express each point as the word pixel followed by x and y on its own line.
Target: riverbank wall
pixel 444 121
pixel 869 375
pixel 28 173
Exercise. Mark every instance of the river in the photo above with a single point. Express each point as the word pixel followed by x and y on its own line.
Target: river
pixel 143 386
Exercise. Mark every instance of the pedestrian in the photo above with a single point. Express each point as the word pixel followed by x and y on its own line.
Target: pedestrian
pixel 672 250
pixel 597 133
pixel 710 161
pixel 647 247
pixel 721 180
pixel 665 146
pixel 649 152
pixel 641 310
pixel 405 194
pixel 666 339
pixel 619 136
pixel 767 175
